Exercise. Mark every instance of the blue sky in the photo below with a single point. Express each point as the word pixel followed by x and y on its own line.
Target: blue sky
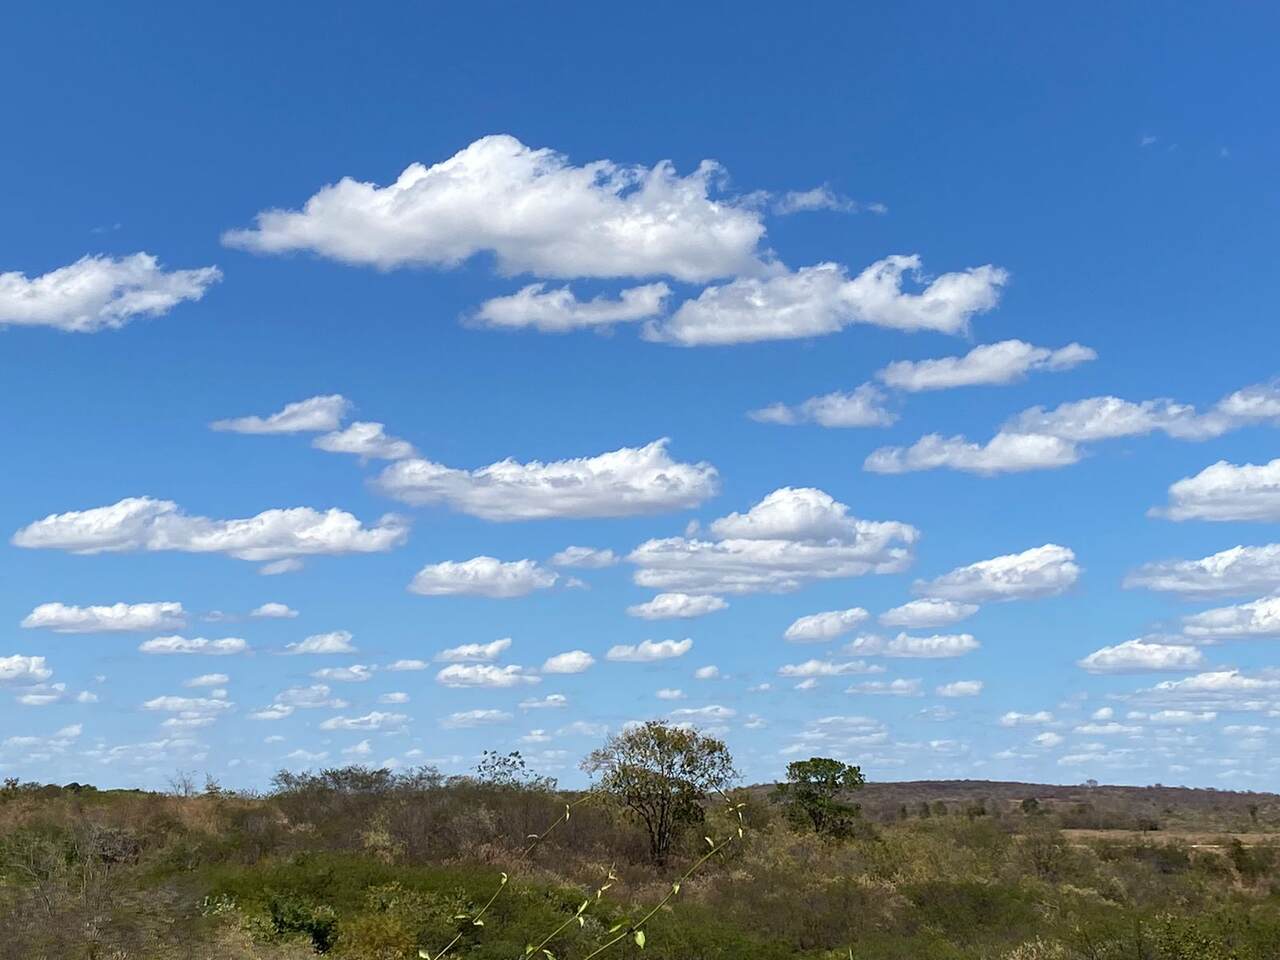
pixel 1076 215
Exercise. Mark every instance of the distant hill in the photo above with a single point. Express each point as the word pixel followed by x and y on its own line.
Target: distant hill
pixel 1085 806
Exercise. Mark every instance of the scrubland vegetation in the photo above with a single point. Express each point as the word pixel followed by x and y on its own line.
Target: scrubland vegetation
pixel 363 864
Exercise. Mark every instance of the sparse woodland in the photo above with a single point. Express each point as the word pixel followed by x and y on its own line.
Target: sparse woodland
pixel 362 864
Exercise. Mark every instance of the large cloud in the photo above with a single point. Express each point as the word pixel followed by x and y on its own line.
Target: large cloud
pixel 623 482
pixel 99 293
pixel 938 646
pixel 113 618
pixel 1225 491
pixel 559 311
pixel 20 670
pixel 791 537
pixel 475 652
pixel 313 415
pixel 1039 572
pixel 822 299
pixel 1039 439
pixel 677 606
pixel 1141 656
pixel 1003 453
pixel 918 614
pixel 482 577
pixel 368 441
pixel 1218 689
pixel 989 363
pixel 1234 572
pixel 532 209
pixel 194 645
pixel 335 641
pixel 143 523
pixel 649 650
pixel 822 627
pixel 1259 618
pixel 485 675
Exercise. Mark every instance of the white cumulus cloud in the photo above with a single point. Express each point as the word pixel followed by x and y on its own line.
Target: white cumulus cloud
pixel 560 311
pixel 466 652
pixel 649 650
pixel 791 537
pixel 532 209
pixel 1239 570
pixel 1006 452
pixel 960 688
pixel 143 523
pixel 821 627
pixel 1141 656
pixel 629 481
pixel 1039 572
pixel 112 618
pixel 19 670
pixel 194 645
pixel 822 299
pixel 482 577
pixel 863 407
pixel 926 613
pixel 313 415
pixel 274 611
pixel 938 646
pixel 989 363
pixel 368 441
pixel 677 606
pixel 336 641
pixel 485 675
pixel 99 293
pixel 1258 618
pixel 574 661
pixel 1225 491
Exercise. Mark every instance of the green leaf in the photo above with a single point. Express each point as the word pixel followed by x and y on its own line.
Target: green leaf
pixel 710 842
pixel 616 927
pixel 424 954
pixel 477 923
pixel 529 948
pixel 504 878
pixel 675 887
pixel 582 921
pixel 639 938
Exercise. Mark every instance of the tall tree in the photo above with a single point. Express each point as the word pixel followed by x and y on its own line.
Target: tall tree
pixel 660 773
pixel 814 794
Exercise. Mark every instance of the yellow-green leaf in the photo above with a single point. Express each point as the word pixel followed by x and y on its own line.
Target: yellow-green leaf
pixel 640 939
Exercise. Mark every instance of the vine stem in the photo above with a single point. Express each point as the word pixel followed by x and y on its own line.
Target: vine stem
pixel 675 888
pixel 477 920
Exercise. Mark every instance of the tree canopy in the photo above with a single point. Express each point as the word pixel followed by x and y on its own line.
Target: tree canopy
pixel 660 773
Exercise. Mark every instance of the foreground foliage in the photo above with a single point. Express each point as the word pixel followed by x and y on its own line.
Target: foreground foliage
pixel 368 865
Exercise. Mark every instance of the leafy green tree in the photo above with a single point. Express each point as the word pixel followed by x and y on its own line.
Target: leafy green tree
pixel 661 773
pixel 814 794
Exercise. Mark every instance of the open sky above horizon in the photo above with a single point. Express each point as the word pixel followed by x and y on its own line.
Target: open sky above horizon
pixel 891 383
